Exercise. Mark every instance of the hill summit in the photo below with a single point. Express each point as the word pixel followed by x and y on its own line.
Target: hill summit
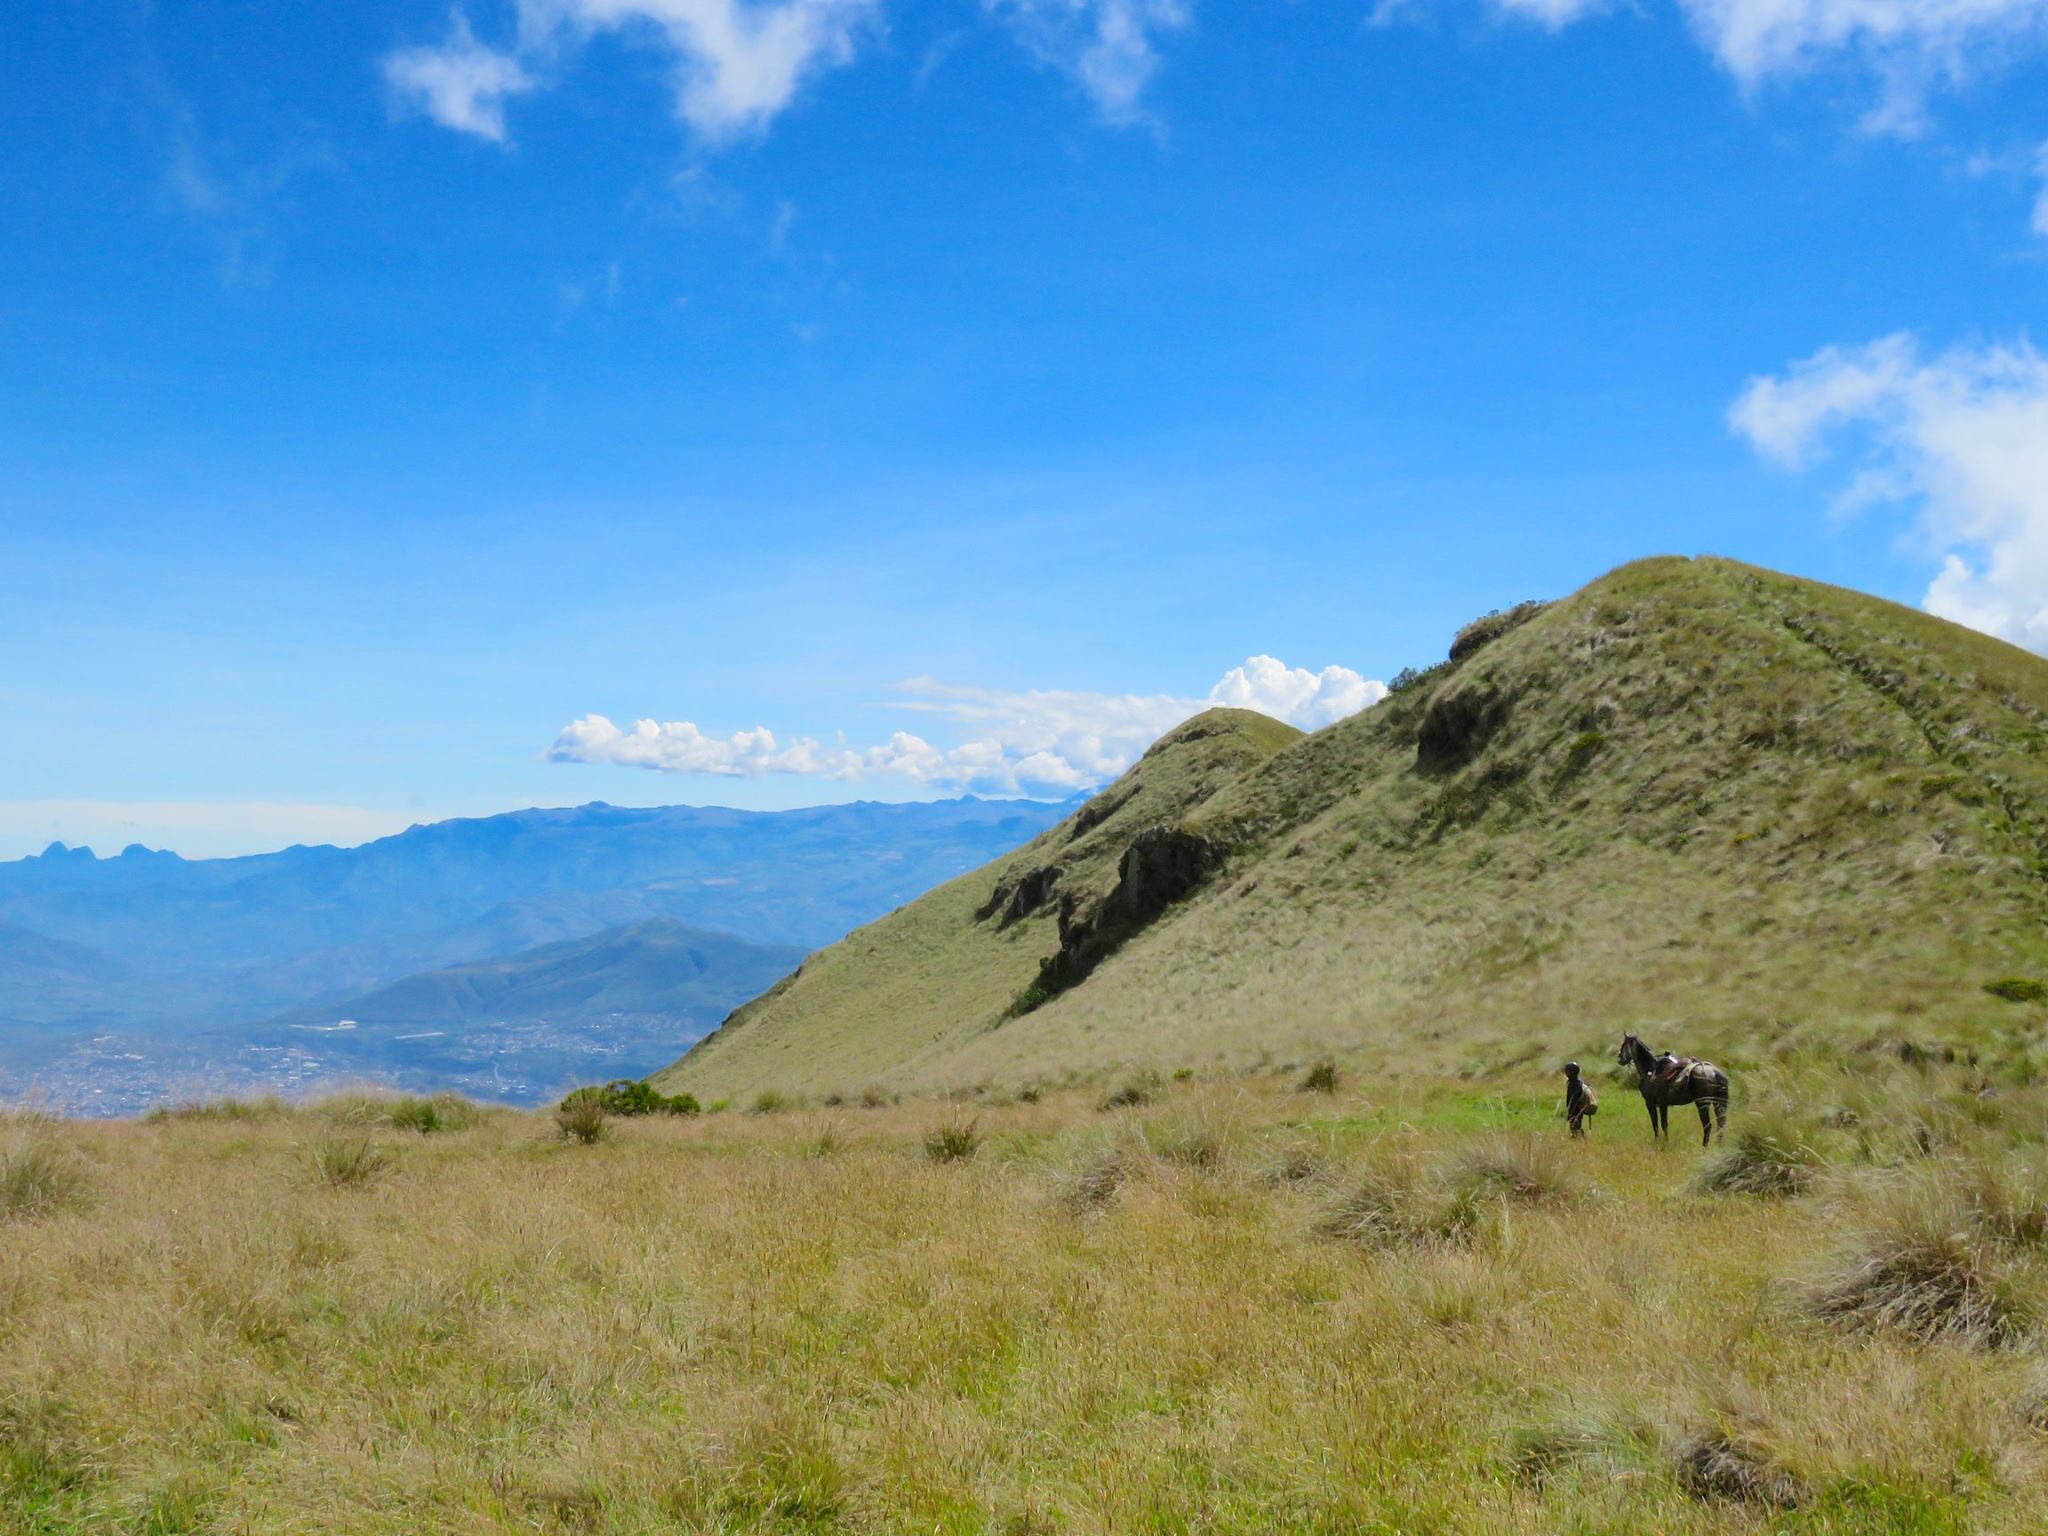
pixel 1722 806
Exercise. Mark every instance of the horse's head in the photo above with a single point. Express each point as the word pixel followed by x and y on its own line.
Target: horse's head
pixel 1626 1056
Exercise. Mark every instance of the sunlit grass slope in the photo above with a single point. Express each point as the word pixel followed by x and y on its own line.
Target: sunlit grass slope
pixel 1397 1307
pixel 1720 805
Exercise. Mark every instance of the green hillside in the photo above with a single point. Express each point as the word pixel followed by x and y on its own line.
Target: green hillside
pixel 1726 807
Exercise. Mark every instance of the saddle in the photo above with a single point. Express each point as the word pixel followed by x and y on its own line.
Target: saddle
pixel 1669 1072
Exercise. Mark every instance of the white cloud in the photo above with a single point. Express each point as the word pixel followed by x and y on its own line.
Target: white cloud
pixel 1962 437
pixel 1038 742
pixel 1109 47
pixel 1295 694
pixel 460 84
pixel 1907 43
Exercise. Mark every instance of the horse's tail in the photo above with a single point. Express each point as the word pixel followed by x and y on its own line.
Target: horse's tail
pixel 1710 1084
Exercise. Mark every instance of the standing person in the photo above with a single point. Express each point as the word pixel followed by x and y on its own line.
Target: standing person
pixel 1580 1102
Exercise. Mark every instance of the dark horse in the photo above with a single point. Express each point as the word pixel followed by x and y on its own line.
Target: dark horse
pixel 1689 1082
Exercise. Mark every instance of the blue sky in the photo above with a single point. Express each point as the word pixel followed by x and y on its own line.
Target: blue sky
pixel 399 403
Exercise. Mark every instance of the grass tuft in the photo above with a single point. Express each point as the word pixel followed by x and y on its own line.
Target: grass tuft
pixel 954 1143
pixel 346 1163
pixel 1715 1467
pixel 582 1121
pixel 37 1177
pixel 1768 1156
pixel 1321 1078
pixel 1942 1256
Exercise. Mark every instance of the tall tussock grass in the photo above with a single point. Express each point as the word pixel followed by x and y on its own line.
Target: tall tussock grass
pixel 1767 1153
pixel 1952 1250
pixel 1396 1197
pixel 38 1176
pixel 342 1162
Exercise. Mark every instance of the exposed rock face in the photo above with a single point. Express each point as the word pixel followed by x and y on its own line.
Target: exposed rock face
pixel 1011 903
pixel 1163 865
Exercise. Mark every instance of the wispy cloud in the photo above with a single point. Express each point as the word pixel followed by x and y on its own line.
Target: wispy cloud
pixel 1042 741
pixel 460 83
pixel 1961 437
pixel 1110 48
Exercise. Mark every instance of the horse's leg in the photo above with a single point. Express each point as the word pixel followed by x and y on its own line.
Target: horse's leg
pixel 1651 1106
pixel 1706 1122
pixel 1721 1118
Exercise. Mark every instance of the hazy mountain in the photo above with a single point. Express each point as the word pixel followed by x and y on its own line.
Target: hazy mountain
pixel 150 940
pixel 1724 807
pixel 658 969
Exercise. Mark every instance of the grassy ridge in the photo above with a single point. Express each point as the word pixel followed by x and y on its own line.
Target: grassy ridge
pixel 1733 809
pixel 1406 1308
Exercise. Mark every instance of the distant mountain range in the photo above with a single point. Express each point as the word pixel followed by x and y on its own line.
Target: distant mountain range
pixel 668 916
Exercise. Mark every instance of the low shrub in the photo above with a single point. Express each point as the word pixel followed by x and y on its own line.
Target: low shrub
pixel 1321 1078
pixel 2018 989
pixel 954 1143
pixel 582 1121
pixel 38 1177
pixel 770 1101
pixel 344 1163
pixel 1134 1092
pixel 628 1097
pixel 874 1096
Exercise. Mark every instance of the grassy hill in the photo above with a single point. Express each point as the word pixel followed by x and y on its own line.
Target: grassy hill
pixel 1731 809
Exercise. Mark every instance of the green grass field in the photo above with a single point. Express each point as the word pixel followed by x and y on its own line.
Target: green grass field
pixel 1406 1306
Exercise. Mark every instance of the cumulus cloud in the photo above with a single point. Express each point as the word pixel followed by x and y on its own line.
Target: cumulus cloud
pixel 1295 694
pixel 460 84
pixel 1961 437
pixel 1109 47
pixel 1042 741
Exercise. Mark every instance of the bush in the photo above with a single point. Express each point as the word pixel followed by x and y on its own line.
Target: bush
pixel 1135 1091
pixel 37 1178
pixel 874 1096
pixel 954 1143
pixel 1321 1078
pixel 2018 989
pixel 628 1097
pixel 582 1120
pixel 770 1101
pixel 347 1164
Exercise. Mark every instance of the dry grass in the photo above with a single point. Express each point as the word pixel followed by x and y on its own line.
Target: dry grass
pixel 701 1325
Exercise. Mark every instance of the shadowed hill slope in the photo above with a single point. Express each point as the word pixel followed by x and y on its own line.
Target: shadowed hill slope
pixel 1715 803
pixel 655 968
